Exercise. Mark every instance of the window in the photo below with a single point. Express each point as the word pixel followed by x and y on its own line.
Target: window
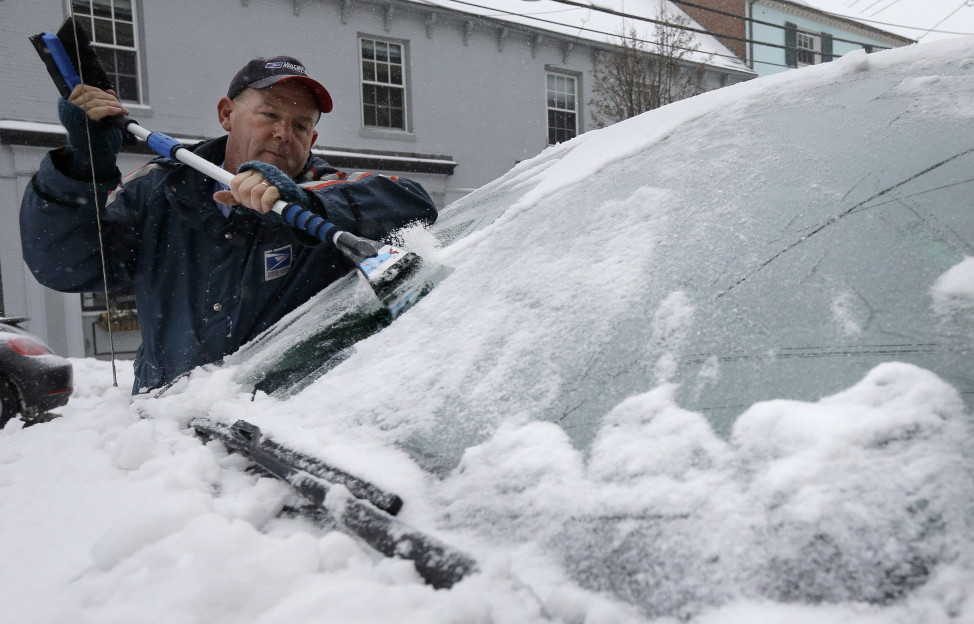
pixel 111 25
pixel 562 108
pixel 123 299
pixel 383 84
pixel 808 48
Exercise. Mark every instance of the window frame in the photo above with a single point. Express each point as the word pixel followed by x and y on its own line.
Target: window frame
pixel 103 48
pixel 549 109
pixel 402 86
pixel 808 45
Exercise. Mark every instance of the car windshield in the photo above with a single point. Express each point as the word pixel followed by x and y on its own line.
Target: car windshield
pixel 721 350
pixel 752 244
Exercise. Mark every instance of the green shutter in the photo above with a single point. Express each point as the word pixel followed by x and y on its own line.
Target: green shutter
pixel 826 47
pixel 791 44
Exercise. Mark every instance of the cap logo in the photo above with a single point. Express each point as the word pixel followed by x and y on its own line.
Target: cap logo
pixel 286 65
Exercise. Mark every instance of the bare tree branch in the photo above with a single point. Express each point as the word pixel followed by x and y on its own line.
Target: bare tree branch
pixel 637 76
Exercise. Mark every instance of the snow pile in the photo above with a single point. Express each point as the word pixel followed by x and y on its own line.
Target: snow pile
pixel 954 290
pixel 859 497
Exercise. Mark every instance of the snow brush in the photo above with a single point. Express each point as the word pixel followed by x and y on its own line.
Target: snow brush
pixel 69 50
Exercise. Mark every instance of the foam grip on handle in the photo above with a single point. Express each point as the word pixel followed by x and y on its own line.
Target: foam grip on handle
pixel 307 221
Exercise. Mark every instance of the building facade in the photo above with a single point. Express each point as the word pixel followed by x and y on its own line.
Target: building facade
pixel 772 36
pixel 447 97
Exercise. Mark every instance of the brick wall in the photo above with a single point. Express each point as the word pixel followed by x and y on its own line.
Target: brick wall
pixel 721 24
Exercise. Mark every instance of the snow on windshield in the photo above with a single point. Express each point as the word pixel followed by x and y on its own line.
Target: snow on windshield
pixel 777 239
pixel 706 364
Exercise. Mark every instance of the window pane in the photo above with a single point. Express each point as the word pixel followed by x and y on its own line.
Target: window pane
pixel 396 74
pixel 368 95
pixel 368 49
pixel 382 72
pixel 370 117
pixel 368 70
pixel 103 8
pixel 124 34
pixel 81 7
pixel 123 10
pixel 395 53
pixel 85 24
pixel 103 31
pixel 396 98
pixel 381 51
pixel 107 59
pixel 127 88
pixel 126 62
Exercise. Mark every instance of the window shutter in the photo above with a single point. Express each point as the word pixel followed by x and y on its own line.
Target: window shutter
pixel 826 47
pixel 791 44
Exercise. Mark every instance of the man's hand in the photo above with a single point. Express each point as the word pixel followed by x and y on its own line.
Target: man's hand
pixel 102 140
pixel 251 190
pixel 99 104
pixel 259 185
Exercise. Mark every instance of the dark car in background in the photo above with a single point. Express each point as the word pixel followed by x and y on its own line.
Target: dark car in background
pixel 33 379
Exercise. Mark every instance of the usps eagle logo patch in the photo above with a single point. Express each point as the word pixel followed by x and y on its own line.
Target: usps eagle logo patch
pixel 277 262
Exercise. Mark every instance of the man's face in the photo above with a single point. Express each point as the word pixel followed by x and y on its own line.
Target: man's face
pixel 274 125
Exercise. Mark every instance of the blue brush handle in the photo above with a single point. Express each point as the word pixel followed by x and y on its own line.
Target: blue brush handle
pixel 61 59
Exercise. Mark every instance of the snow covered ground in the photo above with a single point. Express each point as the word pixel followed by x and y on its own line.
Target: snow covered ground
pixel 107 517
pixel 855 505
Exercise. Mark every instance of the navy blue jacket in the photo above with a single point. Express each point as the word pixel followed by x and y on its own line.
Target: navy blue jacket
pixel 204 284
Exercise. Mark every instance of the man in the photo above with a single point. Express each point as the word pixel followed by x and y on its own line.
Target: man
pixel 211 266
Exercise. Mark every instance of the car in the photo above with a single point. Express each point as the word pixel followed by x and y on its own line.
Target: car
pixel 33 379
pixel 716 354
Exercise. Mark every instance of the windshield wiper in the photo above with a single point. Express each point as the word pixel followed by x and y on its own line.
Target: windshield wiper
pixel 366 511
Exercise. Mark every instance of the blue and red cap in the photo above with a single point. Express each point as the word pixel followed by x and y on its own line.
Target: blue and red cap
pixel 261 73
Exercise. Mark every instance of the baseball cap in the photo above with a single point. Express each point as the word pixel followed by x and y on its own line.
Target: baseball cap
pixel 261 73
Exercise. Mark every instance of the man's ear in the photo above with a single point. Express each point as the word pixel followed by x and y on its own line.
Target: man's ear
pixel 223 110
pixel 314 137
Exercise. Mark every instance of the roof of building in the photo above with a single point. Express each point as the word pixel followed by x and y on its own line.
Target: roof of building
pixel 822 8
pixel 590 24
